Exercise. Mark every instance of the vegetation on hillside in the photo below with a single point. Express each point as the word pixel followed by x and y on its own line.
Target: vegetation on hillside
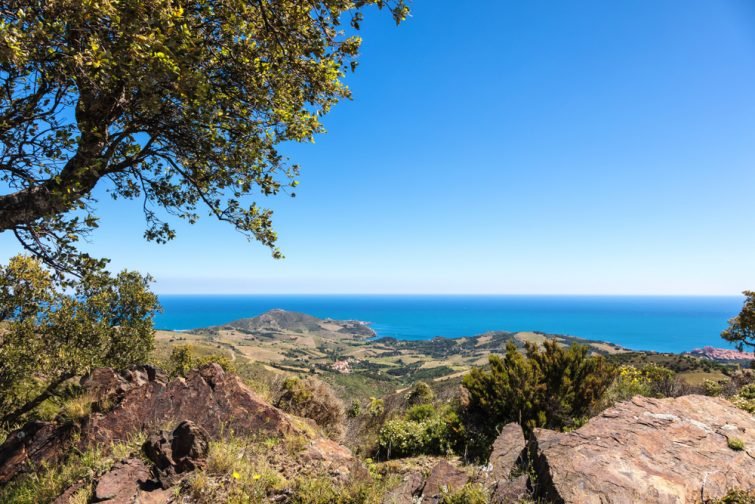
pixel 51 334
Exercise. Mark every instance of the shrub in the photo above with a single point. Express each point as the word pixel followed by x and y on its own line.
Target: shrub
pixel 712 388
pixel 355 409
pixel 312 398
pixel 376 408
pixel 649 380
pixel 184 358
pixel 549 387
pixel 424 431
pixel 471 493
pixel 421 394
pixel 735 444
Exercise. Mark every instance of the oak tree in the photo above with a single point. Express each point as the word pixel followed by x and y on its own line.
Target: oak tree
pixel 180 103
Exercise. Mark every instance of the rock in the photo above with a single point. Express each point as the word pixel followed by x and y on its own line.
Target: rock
pixel 209 397
pixel 507 491
pixel 34 443
pixel 332 457
pixel 407 491
pixel 67 496
pixel 141 399
pixel 122 484
pixel 178 452
pixel 507 450
pixel 443 478
pixel 648 450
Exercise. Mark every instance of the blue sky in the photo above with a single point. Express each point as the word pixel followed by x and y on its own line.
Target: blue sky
pixel 572 147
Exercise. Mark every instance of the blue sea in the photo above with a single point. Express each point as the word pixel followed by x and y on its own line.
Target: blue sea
pixel 663 324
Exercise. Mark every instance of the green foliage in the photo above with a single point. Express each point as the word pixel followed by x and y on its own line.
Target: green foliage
pixel 312 398
pixel 735 444
pixel 471 493
pixel 548 387
pixel 650 380
pixel 741 330
pixel 376 407
pixel 423 431
pixel 712 388
pixel 355 409
pixel 52 334
pixel 737 497
pixel 184 358
pixel 421 394
pixel 180 103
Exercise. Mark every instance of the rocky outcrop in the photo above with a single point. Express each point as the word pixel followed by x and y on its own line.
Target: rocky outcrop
pixel 141 399
pixel 123 483
pixel 176 453
pixel 209 397
pixel 648 450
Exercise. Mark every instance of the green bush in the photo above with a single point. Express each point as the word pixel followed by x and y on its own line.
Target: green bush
pixel 549 386
pixel 423 431
pixel 421 394
pixel 471 493
pixel 735 444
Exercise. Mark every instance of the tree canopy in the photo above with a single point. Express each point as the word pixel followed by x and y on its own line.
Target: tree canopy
pixel 741 330
pixel 182 104
pixel 49 335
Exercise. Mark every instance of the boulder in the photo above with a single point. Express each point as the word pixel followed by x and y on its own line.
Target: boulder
pixel 444 477
pixel 123 483
pixel 507 452
pixel 176 453
pixel 648 450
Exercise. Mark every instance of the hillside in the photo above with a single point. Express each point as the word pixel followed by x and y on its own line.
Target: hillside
pixel 348 354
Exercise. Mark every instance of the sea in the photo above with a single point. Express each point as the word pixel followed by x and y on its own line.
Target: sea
pixel 655 323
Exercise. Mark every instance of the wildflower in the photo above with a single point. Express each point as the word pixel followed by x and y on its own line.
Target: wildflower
pixel 256 476
pixel 235 475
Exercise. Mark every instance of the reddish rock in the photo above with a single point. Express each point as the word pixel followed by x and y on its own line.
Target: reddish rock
pixel 511 490
pixel 648 450
pixel 444 477
pixel 122 484
pixel 176 453
pixel 209 397
pixel 141 400
pixel 407 491
pixel 26 448
pixel 507 450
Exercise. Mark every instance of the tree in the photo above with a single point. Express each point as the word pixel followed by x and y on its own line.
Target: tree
pixel 741 330
pixel 550 386
pixel 180 103
pixel 49 335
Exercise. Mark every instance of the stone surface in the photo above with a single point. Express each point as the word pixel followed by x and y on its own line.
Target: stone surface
pixel 648 450
pixel 407 491
pixel 122 484
pixel 209 397
pixel 507 449
pixel 444 477
pixel 35 442
pixel 178 452
pixel 511 490
pixel 140 399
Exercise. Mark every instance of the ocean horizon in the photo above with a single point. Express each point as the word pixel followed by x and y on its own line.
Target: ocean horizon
pixel 654 323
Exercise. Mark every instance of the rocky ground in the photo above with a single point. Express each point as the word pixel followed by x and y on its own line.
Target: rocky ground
pixel 682 450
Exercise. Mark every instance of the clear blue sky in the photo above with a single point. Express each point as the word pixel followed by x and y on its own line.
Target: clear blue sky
pixel 509 147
